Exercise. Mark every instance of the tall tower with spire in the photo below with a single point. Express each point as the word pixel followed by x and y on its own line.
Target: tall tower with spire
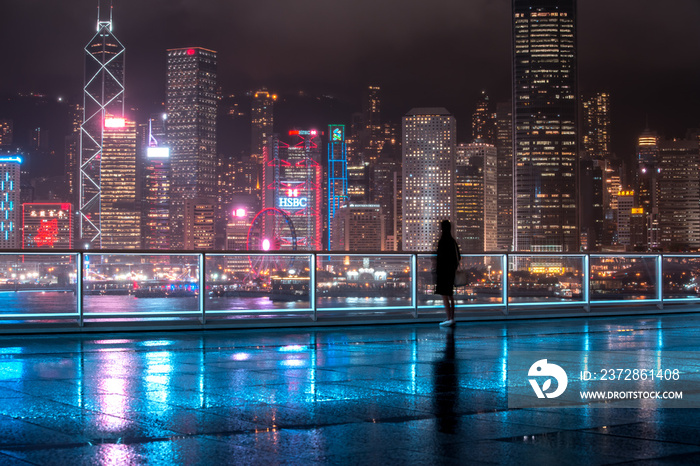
pixel 103 102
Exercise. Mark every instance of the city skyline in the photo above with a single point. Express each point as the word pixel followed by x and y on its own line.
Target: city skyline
pixel 550 123
pixel 647 74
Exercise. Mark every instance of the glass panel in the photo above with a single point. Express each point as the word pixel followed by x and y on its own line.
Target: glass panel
pixel 426 281
pixel 364 281
pixel 622 278
pixel 681 277
pixel 38 285
pixel 485 285
pixel 540 279
pixel 140 284
pixel 485 274
pixel 269 283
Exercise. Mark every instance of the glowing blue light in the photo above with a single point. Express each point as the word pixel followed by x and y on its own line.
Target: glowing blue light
pixel 293 363
pixel 292 349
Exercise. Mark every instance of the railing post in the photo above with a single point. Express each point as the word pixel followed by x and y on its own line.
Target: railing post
pixel 79 284
pixel 414 284
pixel 202 284
pixel 504 283
pixel 660 281
pixel 312 287
pixel 587 282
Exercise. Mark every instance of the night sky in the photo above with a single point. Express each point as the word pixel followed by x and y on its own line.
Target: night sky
pixel 437 53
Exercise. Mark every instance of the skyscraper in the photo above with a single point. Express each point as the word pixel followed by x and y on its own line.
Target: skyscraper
pixel 155 202
pixel 596 126
pixel 337 176
pixel 121 222
pixel 294 188
pixel 261 122
pixel 103 95
pixel 371 135
pixel 476 202
pixel 483 120
pixel 545 125
pixel 647 183
pixel 191 131
pixel 428 173
pixel 6 132
pixel 504 154
pixel 679 194
pixel 9 202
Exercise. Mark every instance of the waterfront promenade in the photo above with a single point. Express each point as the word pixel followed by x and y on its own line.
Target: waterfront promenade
pixel 390 394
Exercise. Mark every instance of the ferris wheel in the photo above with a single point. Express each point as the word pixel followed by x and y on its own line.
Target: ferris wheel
pixel 272 229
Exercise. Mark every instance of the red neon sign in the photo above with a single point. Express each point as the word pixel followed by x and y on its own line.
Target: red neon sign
pixel 47 234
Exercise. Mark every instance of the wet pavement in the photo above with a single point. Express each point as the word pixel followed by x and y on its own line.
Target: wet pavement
pixel 413 394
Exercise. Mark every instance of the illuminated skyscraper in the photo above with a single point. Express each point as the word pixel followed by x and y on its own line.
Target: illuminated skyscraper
pixel 103 96
pixel 6 132
pixel 294 185
pixel 483 120
pixel 476 202
pixel 625 204
pixel 679 194
pixel 371 136
pixel 261 122
pixel 504 151
pixel 595 142
pixel 191 131
pixel 121 222
pixel 596 126
pixel 72 148
pixel 592 212
pixel 200 215
pixel 9 202
pixel 545 125
pixel 337 176
pixel 428 174
pixel 155 202
pixel 648 175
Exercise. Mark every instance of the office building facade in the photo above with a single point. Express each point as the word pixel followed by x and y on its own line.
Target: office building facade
pixel 191 131
pixel 428 165
pixel 545 126
pixel 120 218
pixel 476 200
pixel 103 97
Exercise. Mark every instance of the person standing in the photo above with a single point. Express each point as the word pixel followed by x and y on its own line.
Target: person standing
pixel 448 258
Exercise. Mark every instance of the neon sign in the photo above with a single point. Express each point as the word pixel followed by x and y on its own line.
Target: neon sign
pixel 293 202
pixel 336 133
pixel 47 234
pixel 311 132
pixel 158 152
pixel 112 122
pixel 15 159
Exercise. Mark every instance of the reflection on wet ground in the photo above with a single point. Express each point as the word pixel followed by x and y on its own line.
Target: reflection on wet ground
pixel 363 395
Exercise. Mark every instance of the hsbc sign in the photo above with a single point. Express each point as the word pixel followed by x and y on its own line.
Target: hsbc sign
pixel 293 202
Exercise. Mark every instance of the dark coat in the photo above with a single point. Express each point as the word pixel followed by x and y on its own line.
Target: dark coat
pixel 448 258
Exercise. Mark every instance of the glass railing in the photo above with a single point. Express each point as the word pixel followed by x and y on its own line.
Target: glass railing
pixel 241 287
